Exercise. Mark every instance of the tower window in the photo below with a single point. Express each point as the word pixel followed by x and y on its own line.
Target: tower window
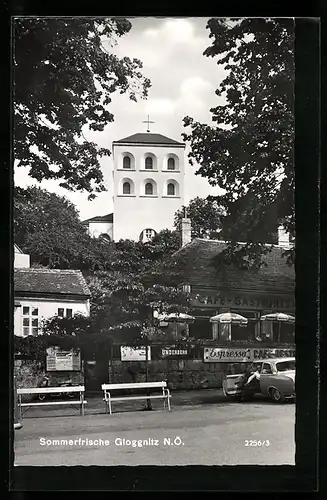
pixel 171 164
pixel 126 188
pixel 171 189
pixel 149 163
pixel 149 188
pixel 126 162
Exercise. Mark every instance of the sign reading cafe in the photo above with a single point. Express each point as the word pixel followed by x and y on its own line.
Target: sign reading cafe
pixel 214 299
pixel 243 355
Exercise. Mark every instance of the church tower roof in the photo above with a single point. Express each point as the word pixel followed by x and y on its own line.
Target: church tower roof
pixel 149 138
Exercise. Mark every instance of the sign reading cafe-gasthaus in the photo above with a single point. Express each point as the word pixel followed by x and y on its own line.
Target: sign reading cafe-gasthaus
pixel 244 355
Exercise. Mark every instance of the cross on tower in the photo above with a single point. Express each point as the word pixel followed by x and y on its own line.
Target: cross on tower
pixel 148 122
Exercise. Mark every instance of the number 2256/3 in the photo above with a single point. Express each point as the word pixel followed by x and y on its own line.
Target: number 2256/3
pixel 255 442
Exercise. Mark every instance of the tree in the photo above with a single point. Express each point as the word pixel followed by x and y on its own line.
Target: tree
pixel 249 152
pixel 205 215
pixel 64 77
pixel 48 227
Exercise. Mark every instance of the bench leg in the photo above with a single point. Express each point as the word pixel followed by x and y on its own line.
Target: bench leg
pixel 82 404
pixel 109 404
pixel 20 406
pixel 168 399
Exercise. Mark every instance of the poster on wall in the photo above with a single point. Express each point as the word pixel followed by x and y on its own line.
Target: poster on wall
pixel 134 353
pixel 63 359
pixel 244 355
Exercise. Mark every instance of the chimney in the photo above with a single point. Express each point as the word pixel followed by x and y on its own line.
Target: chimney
pixel 186 231
pixel 283 238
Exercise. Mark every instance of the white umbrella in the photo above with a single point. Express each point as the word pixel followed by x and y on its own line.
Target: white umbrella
pixel 280 318
pixel 176 318
pixel 287 318
pixel 229 318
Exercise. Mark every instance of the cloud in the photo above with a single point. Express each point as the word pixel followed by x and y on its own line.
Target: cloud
pixel 151 33
pixel 160 106
pixel 178 30
pixel 194 85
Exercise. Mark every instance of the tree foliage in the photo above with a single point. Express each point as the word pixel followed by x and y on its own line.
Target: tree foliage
pixel 48 227
pixel 205 215
pixel 65 75
pixel 249 152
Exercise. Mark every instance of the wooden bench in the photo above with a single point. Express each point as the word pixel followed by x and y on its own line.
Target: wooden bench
pixel 80 389
pixel 109 388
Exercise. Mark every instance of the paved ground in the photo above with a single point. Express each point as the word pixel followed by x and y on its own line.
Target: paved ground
pixel 203 428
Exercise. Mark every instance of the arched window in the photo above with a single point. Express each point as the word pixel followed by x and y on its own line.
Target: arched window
pixel 104 237
pixel 171 189
pixel 171 164
pixel 126 162
pixel 126 188
pixel 149 188
pixel 148 163
pixel 147 235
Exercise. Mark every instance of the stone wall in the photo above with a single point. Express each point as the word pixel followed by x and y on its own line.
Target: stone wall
pixel 179 374
pixel 29 373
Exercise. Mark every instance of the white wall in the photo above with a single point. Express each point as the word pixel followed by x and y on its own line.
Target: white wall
pixel 47 309
pixel 21 260
pixel 98 228
pixel 133 214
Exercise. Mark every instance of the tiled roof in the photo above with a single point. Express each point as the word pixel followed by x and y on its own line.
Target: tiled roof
pixel 196 260
pixel 100 218
pixel 50 281
pixel 149 138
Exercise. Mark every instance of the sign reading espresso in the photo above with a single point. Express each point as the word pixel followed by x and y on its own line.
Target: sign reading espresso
pixel 243 355
pixel 212 299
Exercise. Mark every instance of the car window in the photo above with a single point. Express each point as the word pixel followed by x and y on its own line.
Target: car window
pixel 284 366
pixel 266 369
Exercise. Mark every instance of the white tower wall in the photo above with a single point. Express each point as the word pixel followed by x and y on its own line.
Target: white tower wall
pixel 137 211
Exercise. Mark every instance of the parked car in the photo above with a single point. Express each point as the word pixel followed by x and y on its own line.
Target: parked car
pixel 277 380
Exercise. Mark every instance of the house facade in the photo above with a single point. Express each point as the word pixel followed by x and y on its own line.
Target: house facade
pixel 100 226
pixel 251 294
pixel 43 293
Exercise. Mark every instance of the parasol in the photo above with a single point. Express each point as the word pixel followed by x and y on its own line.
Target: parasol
pixel 176 318
pixel 280 318
pixel 229 318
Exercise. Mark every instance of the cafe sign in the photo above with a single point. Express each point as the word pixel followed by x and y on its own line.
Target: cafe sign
pixel 244 355
pixel 215 300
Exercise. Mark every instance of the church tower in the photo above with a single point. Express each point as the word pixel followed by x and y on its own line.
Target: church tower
pixel 148 178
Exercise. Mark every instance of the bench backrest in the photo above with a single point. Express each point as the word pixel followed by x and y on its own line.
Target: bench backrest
pixel 47 390
pixel 138 385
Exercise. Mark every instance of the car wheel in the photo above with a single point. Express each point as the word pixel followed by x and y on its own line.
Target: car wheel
pixel 277 396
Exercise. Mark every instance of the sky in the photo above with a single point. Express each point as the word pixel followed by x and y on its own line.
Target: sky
pixel 183 83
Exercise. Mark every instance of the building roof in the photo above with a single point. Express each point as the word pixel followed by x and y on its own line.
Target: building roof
pixel 149 138
pixel 100 218
pixel 50 281
pixel 196 264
